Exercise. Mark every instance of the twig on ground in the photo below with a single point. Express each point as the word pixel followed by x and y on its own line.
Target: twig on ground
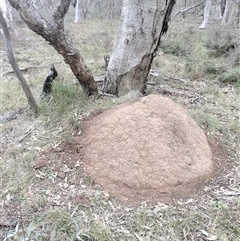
pixel 105 94
pixel 99 79
pixel 174 78
pixel 26 69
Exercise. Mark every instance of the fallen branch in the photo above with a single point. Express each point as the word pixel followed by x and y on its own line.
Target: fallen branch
pixel 105 94
pixel 174 78
pixel 175 93
pixel 26 69
pixel 231 193
pixel 151 83
pixel 99 79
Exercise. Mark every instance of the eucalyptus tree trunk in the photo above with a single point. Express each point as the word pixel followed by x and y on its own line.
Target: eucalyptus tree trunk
pixel 228 11
pixel 141 27
pixel 218 13
pixel 206 14
pixel 54 33
pixel 238 14
pixel 76 18
pixel 12 61
pixel 7 14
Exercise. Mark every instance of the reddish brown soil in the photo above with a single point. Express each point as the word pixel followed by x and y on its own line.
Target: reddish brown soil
pixel 147 150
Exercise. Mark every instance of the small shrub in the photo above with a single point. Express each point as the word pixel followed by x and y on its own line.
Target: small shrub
pixel 200 66
pixel 233 58
pixel 208 120
pixel 173 47
pixel 196 67
pixel 221 42
pixel 212 69
pixel 232 76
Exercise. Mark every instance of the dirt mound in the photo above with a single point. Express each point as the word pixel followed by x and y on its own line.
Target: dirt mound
pixel 149 149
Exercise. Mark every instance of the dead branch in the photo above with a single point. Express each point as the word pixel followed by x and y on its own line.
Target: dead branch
pixel 179 93
pixel 26 69
pixel 174 78
pixel 99 79
pixel 187 9
pixel 105 94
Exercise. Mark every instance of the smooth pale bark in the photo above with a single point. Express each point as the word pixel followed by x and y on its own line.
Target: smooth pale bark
pixel 206 14
pixel 54 33
pixel 7 14
pixel 218 12
pixel 141 26
pixel 76 19
pixel 238 14
pixel 12 61
pixel 228 12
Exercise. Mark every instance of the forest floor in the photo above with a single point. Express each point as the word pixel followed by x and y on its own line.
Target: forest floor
pixel 45 193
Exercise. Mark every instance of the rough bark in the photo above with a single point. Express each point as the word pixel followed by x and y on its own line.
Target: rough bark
pixel 8 45
pixel 53 32
pixel 141 26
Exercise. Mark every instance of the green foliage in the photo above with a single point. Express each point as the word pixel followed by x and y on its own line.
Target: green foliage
pixel 208 120
pixel 199 67
pixel 59 225
pixel 65 97
pixel 232 76
pixel 170 46
pixel 220 41
pixel 179 41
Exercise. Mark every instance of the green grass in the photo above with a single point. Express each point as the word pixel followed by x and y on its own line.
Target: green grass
pixel 65 97
pixel 232 76
pixel 50 206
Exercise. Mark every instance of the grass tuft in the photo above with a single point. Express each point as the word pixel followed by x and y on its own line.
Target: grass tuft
pixel 231 77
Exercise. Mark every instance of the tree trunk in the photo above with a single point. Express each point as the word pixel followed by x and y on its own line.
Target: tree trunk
pixel 218 13
pixel 53 32
pixel 229 10
pixel 76 18
pixel 8 45
pixel 7 14
pixel 238 15
pixel 206 14
pixel 142 24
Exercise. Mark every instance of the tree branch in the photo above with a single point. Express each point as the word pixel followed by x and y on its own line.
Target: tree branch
pixel 187 9
pixel 60 12
pixel 31 17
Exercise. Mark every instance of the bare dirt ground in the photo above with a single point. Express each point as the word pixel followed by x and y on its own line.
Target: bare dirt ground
pixel 71 161
pixel 146 150
pixel 91 155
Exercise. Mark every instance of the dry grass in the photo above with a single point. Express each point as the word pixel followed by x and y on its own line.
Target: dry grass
pixel 36 204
